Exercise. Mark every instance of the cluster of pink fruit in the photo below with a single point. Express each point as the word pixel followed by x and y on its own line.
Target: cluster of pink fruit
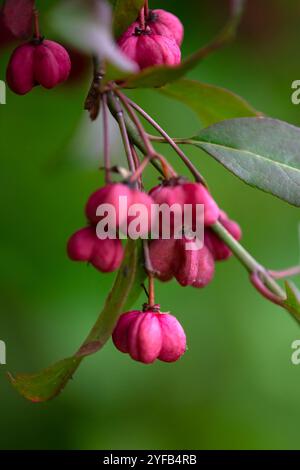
pixel 150 334
pixel 171 258
pixel 153 39
pixel 106 254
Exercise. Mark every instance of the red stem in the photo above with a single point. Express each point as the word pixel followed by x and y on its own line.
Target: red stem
pixel 136 162
pixel 142 19
pixel 151 152
pixel 125 101
pixel 146 9
pixel 151 290
pixel 106 140
pixel 124 134
pixel 36 24
pixel 139 170
pixel 260 286
pixel 290 272
pixel 197 175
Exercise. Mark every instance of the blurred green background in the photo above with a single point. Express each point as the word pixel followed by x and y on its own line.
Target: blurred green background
pixel 235 388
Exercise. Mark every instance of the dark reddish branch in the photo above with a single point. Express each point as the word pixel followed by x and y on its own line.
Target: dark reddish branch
pixel 150 151
pixel 146 8
pixel 260 287
pixel 106 151
pixel 136 162
pixel 142 19
pixel 36 24
pixel 197 175
pixel 151 290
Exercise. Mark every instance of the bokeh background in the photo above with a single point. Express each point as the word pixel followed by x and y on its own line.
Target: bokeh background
pixel 236 387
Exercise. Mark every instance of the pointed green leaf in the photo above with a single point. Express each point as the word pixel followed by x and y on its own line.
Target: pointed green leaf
pixel 292 303
pixel 211 103
pixel 46 384
pixel 50 382
pixel 263 152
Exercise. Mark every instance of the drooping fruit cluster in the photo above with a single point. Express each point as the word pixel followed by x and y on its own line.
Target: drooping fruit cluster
pixel 150 335
pixel 106 254
pixel 184 259
pixel 39 62
pixel 155 42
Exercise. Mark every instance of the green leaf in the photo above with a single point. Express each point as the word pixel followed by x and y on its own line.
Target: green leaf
pixel 155 77
pixel 292 303
pixel 50 382
pixel 263 152
pixel 211 103
pixel 47 384
pixel 125 13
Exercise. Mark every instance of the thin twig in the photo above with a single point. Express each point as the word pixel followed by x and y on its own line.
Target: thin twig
pixel 150 151
pixel 142 19
pixel 139 170
pixel 248 260
pixel 136 163
pixel 124 134
pixel 166 137
pixel 290 272
pixel 151 290
pixel 36 24
pixel 106 147
pixel 134 136
pixel 143 134
pixel 146 8
pixel 176 140
pixel 93 99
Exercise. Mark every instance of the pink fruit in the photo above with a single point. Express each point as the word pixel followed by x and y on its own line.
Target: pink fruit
pixel 195 267
pixel 144 214
pixel 20 70
pixel 196 193
pixel 81 244
pixel 168 193
pixel 150 335
pixel 166 24
pixel 121 197
pixel 179 192
pixel 109 194
pixel 44 63
pixel 162 255
pixel 105 255
pixel 148 49
pixel 217 247
pixel 171 194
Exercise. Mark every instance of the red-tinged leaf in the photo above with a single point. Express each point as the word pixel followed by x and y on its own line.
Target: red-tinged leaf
pixel 18 17
pixel 212 104
pixel 48 383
